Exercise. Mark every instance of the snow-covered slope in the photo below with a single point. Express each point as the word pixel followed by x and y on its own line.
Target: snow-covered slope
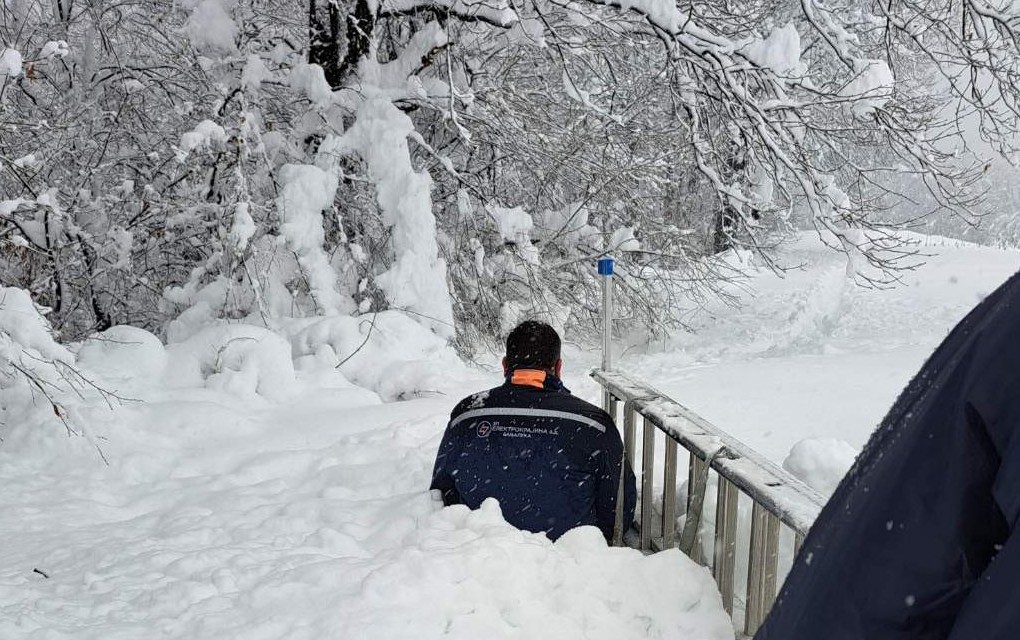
pixel 812 355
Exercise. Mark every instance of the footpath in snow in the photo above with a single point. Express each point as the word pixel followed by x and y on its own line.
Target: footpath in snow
pixel 811 362
pixel 255 492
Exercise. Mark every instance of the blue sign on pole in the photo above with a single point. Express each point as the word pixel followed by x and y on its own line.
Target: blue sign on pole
pixel 605 266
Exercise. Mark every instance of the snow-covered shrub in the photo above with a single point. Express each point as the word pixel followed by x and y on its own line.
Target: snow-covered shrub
pixel 123 357
pixel 239 359
pixel 387 352
pixel 39 384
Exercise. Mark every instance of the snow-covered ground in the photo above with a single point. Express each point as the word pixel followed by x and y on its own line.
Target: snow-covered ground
pixel 810 355
pixel 246 498
pixel 223 514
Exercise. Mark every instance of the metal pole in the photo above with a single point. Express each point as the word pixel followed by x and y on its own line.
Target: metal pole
pixel 606 271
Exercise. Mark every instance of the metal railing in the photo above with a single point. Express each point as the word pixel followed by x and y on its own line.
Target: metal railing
pixel 778 499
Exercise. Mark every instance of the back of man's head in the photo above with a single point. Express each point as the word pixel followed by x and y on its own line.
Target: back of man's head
pixel 532 345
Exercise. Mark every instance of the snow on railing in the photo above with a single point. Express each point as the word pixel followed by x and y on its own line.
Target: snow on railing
pixel 778 499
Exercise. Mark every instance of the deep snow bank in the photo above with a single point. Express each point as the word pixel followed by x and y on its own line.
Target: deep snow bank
pixel 478 577
pixel 305 519
pixel 255 490
pixel 387 353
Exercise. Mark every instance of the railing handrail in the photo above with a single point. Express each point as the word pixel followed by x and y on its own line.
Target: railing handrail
pixel 777 497
pixel 793 502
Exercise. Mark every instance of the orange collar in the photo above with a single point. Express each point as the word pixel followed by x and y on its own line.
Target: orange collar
pixel 529 378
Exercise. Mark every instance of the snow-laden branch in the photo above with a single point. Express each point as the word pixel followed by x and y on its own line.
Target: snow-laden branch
pixel 497 13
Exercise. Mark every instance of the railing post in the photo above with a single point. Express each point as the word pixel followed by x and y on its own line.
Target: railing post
pixel 696 488
pixel 619 526
pixel 723 568
pixel 711 450
pixel 629 436
pixel 647 478
pixel 762 567
pixel 669 496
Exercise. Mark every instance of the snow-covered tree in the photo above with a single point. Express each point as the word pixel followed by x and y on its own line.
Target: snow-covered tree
pixel 169 163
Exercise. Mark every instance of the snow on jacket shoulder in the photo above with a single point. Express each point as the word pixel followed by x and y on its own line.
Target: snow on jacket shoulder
pixel 919 541
pixel 552 460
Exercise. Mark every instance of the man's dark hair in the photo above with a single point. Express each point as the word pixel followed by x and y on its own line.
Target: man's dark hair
pixel 532 345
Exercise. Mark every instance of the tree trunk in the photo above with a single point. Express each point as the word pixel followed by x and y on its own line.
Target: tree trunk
pixel 324 40
pixel 327 39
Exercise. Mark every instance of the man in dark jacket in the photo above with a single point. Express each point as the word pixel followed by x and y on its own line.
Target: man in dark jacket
pixel 553 461
pixel 919 541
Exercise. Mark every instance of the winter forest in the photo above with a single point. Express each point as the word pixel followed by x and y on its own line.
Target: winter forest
pixel 252 252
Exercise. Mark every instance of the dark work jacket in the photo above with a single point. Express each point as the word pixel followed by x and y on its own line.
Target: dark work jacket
pixel 919 541
pixel 552 460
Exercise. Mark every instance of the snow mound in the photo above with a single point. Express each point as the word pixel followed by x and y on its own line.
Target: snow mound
pixel 239 359
pixel 820 462
pixel 387 352
pixel 124 355
pixel 219 518
pixel 468 574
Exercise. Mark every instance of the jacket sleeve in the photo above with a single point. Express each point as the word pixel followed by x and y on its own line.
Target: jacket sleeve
pixel 614 469
pixel 442 476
